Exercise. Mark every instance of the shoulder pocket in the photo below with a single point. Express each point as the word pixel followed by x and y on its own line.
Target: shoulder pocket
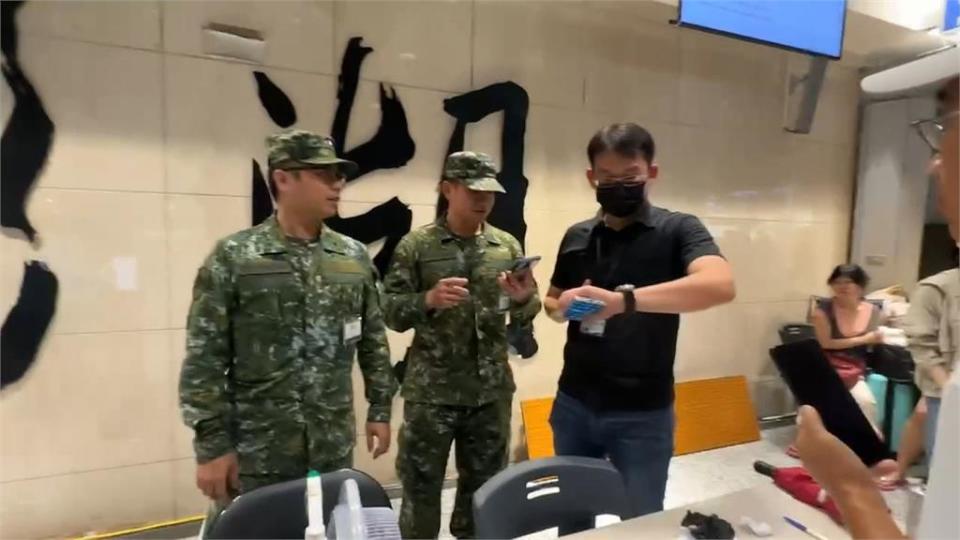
pixel 344 271
pixel 345 278
pixel 259 288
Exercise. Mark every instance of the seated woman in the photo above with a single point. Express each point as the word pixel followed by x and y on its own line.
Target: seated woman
pixel 846 326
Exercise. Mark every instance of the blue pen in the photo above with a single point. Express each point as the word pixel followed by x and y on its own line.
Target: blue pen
pixel 804 528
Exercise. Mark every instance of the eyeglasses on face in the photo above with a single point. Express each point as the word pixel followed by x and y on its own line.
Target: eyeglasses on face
pixel 931 130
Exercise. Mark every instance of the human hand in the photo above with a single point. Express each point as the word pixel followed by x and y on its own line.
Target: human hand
pixel 613 301
pixel 831 462
pixel 216 477
pixel 873 338
pixel 447 293
pixel 378 438
pixel 519 286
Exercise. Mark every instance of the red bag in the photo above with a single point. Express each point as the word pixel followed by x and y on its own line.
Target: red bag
pixel 849 367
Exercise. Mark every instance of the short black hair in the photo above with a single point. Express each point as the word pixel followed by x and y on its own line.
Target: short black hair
pixel 627 139
pixel 853 272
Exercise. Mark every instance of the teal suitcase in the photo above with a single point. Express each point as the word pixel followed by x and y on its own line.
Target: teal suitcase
pixel 896 400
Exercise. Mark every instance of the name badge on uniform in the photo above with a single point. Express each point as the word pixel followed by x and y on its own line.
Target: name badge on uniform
pixel 504 303
pixel 351 330
pixel 594 328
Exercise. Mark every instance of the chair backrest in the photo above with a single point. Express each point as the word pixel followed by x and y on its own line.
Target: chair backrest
pixel 565 492
pixel 794 332
pixel 279 511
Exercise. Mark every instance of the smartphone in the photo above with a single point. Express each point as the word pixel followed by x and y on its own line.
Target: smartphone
pixel 814 382
pixel 525 263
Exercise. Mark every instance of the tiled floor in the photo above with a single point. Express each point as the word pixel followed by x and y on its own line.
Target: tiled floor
pixel 696 477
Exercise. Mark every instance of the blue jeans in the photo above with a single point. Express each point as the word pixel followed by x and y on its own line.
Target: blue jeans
pixel 930 428
pixel 638 443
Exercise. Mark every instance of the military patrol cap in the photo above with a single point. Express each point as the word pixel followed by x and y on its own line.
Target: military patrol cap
pixel 475 170
pixel 299 149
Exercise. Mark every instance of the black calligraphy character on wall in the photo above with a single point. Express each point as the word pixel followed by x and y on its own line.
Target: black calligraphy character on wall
pixel 25 146
pixel 27 137
pixel 474 106
pixel 390 148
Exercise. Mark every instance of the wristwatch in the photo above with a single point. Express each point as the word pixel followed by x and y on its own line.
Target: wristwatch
pixel 629 300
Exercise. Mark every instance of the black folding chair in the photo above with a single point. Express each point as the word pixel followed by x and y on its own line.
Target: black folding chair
pixel 279 511
pixel 566 492
pixel 793 332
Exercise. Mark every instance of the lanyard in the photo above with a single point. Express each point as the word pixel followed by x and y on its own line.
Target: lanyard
pixel 616 256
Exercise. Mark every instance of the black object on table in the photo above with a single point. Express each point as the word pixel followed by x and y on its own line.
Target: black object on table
pixel 703 526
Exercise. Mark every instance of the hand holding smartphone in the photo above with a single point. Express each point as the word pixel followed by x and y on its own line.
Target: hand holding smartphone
pixel 525 264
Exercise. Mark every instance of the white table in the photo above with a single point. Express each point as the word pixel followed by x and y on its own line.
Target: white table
pixel 762 503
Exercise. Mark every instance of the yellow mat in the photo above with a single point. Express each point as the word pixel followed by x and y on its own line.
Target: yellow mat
pixel 536 424
pixel 711 413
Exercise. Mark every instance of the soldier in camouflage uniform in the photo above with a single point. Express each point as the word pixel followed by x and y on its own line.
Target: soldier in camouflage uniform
pixel 278 313
pixel 451 283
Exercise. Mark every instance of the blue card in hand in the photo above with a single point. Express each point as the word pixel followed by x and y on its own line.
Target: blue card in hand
pixel 582 308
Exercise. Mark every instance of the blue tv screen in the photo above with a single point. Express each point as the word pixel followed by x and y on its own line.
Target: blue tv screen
pixel 812 26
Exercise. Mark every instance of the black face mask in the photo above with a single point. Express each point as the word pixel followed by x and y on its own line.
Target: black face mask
pixel 622 199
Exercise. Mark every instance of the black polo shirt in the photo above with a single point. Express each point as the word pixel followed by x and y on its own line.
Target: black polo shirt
pixel 631 366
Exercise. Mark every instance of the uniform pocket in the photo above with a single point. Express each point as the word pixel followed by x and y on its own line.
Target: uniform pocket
pixel 261 340
pixel 435 268
pixel 261 290
pixel 344 293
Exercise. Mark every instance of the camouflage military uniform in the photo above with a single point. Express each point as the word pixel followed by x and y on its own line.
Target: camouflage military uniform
pixel 458 384
pixel 271 335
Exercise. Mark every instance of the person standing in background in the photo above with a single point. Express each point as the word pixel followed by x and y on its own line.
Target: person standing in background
pixel 831 462
pixel 452 283
pixel 931 327
pixel 648 265
pixel 935 348
pixel 279 311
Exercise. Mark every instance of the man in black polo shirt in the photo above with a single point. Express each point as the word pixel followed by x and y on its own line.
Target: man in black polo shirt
pixel 648 265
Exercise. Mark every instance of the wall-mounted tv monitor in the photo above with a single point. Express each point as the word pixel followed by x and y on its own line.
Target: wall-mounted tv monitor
pixel 810 26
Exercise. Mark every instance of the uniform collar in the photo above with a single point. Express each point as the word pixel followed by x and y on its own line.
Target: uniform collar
pixel 274 242
pixel 446 235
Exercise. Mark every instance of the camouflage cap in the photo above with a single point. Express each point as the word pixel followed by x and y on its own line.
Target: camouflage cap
pixel 299 149
pixel 475 170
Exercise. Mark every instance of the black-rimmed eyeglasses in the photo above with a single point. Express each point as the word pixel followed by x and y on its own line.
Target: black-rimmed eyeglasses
pixel 931 130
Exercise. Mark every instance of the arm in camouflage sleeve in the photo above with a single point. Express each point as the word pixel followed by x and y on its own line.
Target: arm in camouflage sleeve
pixel 204 400
pixel 404 304
pixel 373 353
pixel 523 314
